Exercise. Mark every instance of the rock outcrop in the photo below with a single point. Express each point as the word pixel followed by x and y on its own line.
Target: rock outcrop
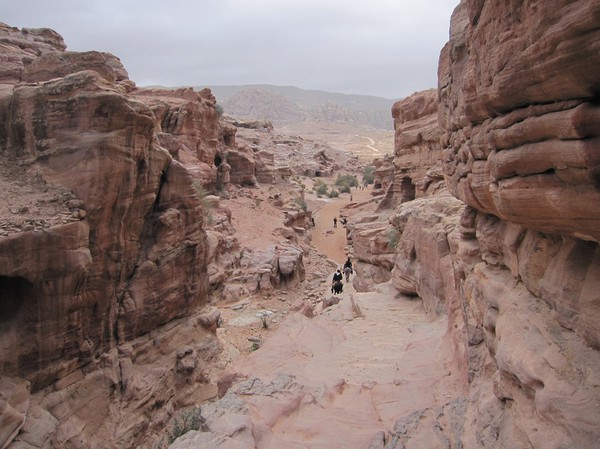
pixel 110 246
pixel 515 263
pixel 417 169
pixel 85 299
pixel 519 110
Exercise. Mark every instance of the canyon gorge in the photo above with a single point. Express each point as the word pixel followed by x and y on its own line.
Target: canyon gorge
pixel 159 261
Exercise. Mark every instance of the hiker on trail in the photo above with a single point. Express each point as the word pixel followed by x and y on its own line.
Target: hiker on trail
pixel 336 284
pixel 335 222
pixel 348 269
pixel 312 220
pixel 337 287
pixel 337 276
pixel 348 264
pixel 347 272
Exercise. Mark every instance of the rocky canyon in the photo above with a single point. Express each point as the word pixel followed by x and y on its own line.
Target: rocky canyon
pixel 165 269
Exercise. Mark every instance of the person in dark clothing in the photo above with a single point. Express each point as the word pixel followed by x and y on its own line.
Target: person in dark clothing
pixel 348 264
pixel 337 287
pixel 334 222
pixel 337 276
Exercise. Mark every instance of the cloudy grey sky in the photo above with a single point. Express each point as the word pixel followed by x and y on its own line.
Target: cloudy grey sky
pixel 387 48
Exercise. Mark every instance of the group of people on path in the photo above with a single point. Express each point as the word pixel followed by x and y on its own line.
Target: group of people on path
pixel 337 286
pixel 343 221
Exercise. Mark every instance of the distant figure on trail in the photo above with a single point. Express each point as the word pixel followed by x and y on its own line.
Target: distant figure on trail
pixel 347 272
pixel 335 222
pixel 348 269
pixel 344 221
pixel 337 286
pixel 337 276
pixel 312 220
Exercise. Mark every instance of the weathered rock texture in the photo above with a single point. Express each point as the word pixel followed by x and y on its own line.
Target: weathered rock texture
pixel 515 264
pixel 519 87
pixel 417 168
pixel 110 246
pixel 86 301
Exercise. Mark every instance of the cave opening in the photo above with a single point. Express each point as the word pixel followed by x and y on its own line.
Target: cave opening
pixel 218 160
pixel 407 189
pixel 13 294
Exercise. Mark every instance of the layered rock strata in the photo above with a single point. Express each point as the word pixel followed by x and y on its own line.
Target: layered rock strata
pixel 110 246
pixel 514 263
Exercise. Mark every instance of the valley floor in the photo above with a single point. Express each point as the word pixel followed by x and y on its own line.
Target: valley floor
pixel 340 379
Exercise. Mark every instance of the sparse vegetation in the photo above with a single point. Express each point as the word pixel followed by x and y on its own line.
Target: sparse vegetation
pixel 208 218
pixel 392 238
pixel 344 189
pixel 320 188
pixel 347 181
pixel 189 420
pixel 368 174
pixel 334 193
pixel 301 203
pixel 219 109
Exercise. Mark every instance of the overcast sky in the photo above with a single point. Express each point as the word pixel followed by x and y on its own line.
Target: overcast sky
pixel 387 48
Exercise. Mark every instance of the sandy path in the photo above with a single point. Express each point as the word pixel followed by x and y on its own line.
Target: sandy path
pixel 328 240
pixel 342 378
pixel 352 374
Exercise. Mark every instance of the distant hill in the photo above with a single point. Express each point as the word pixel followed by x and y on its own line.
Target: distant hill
pixel 283 105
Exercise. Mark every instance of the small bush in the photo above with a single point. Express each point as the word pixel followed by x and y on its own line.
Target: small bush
pixel 334 194
pixel 344 189
pixel 320 189
pixel 346 180
pixel 392 238
pixel 219 110
pixel 368 174
pixel 301 203
pixel 185 422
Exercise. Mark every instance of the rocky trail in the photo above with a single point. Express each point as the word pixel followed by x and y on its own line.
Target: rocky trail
pixel 339 379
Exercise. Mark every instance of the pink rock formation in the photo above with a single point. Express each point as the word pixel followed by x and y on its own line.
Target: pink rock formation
pixel 517 270
pixel 85 300
pixel 518 95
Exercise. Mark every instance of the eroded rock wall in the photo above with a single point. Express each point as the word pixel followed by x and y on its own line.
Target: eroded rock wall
pixel 515 262
pixel 517 269
pixel 416 167
pixel 102 332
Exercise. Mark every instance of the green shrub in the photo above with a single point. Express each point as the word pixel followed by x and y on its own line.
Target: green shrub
pixel 344 189
pixel 368 174
pixel 346 180
pixel 219 110
pixel 301 203
pixel 334 193
pixel 320 189
pixel 185 422
pixel 392 238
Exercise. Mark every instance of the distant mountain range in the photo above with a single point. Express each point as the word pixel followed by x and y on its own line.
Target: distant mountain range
pixel 283 105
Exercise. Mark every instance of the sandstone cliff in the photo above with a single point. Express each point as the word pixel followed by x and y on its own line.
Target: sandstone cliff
pixel 518 105
pixel 514 263
pixel 103 250
pixel 110 248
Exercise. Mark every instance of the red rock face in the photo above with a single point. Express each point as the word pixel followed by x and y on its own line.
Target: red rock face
pixel 518 107
pixel 518 86
pixel 136 259
pixel 415 170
